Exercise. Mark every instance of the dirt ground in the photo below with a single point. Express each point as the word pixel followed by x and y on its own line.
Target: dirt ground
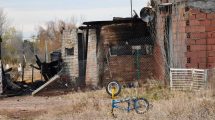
pixel 165 105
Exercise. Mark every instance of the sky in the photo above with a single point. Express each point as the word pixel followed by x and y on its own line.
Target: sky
pixel 27 15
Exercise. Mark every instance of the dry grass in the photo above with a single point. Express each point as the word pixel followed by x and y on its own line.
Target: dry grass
pixel 166 105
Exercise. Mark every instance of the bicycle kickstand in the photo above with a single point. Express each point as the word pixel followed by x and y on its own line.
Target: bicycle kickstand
pixel 113 115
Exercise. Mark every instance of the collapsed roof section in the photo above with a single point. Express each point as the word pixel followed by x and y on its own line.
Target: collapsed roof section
pixel 133 31
pixel 116 20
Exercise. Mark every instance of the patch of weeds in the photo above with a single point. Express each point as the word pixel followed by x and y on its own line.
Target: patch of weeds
pixel 157 93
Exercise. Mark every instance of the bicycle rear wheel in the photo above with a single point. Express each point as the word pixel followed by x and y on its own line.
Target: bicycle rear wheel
pixel 141 105
pixel 113 84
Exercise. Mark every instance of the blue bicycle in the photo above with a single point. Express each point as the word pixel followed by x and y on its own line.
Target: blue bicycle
pixel 139 104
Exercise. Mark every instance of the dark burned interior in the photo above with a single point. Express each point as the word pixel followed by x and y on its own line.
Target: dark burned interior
pixel 82 56
pixel 48 70
pixel 121 37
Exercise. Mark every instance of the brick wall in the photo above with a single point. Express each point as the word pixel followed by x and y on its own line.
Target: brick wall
pixel 170 44
pixel 178 44
pixel 200 30
pixel 122 67
pixel 112 34
pixel 159 62
pixel 70 40
pixel 177 35
pixel 192 35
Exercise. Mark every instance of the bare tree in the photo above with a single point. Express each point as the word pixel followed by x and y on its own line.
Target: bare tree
pixel 2 26
pixel 50 36
pixel 2 21
pixel 12 45
pixel 52 30
pixel 10 40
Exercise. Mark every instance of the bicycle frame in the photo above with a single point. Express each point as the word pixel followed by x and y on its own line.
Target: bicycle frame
pixel 129 102
pixel 133 103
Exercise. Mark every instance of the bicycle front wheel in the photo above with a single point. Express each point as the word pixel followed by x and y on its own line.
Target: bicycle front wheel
pixel 141 105
pixel 113 84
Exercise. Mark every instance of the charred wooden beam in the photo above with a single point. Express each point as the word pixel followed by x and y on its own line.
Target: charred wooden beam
pixel 116 20
pixel 48 70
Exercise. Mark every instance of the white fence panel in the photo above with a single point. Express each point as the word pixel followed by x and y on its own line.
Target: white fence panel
pixel 188 79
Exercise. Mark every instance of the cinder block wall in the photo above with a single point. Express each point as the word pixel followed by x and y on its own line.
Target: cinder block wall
pixel 92 71
pixel 70 40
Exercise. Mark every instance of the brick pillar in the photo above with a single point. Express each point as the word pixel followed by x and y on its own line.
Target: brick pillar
pixel 70 41
pixel 92 77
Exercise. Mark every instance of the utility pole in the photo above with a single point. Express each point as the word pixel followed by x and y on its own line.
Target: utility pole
pixel 46 51
pixel 23 61
pixel 32 68
pixel 33 38
pixel 131 3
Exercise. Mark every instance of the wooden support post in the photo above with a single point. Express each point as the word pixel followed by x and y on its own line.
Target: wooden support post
pixel 32 77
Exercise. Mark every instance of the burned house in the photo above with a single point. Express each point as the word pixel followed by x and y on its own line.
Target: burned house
pixel 181 35
pixel 121 49
pixel 185 31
